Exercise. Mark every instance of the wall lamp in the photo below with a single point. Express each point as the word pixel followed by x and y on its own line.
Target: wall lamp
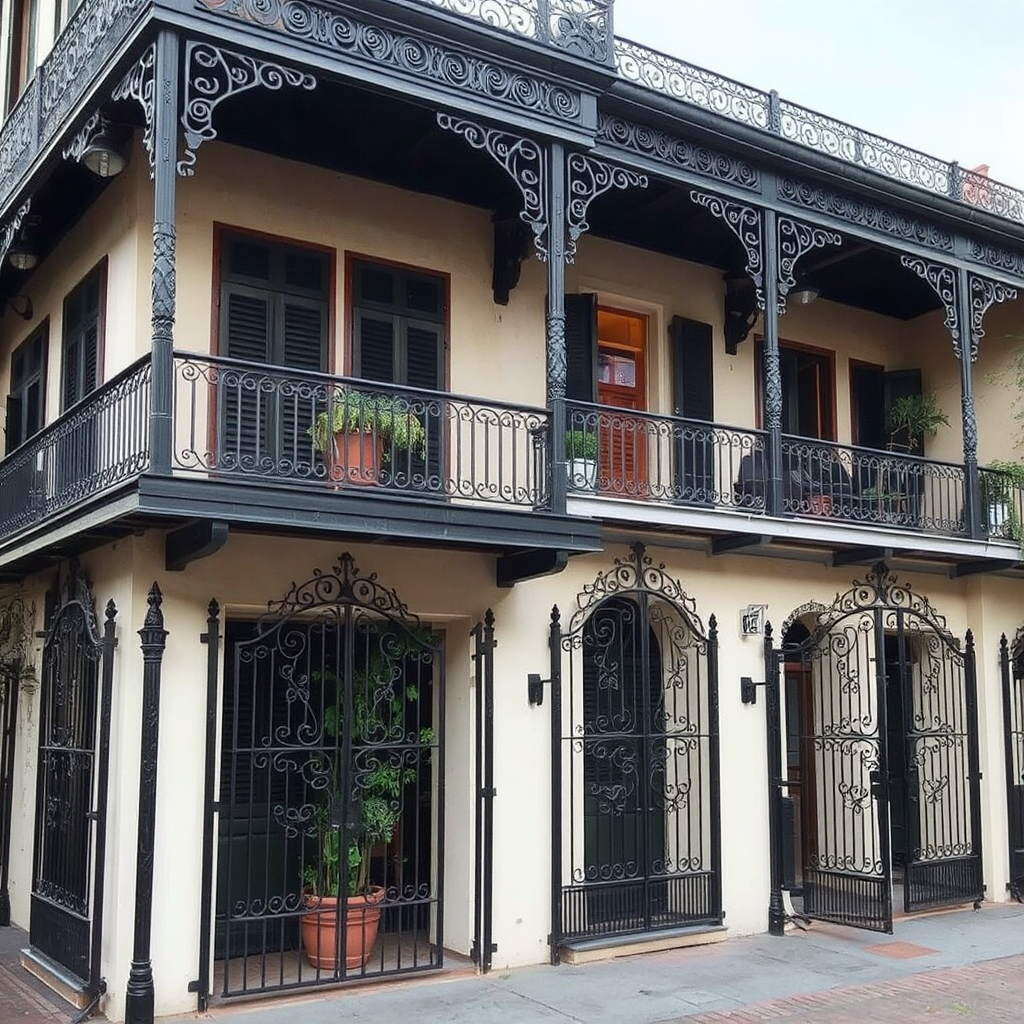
pixel 103 154
pixel 741 310
pixel 21 305
pixel 23 253
pixel 803 293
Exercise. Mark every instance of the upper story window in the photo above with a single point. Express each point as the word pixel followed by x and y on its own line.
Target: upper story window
pixel 24 34
pixel 65 8
pixel 82 337
pixel 25 403
pixel 808 390
pixel 398 318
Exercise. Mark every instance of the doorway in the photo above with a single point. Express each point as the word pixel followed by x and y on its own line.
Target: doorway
pixel 621 384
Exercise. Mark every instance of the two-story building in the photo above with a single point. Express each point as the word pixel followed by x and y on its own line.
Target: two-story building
pixel 480 481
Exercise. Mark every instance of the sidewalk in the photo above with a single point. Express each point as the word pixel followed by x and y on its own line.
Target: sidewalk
pixel 23 999
pixel 939 968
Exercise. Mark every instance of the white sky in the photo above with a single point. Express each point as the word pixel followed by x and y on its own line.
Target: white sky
pixel 942 76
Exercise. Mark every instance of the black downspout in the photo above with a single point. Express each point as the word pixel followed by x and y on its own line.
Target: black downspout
pixel 139 999
pixel 7 730
pixel 555 648
pixel 773 737
pixel 487 795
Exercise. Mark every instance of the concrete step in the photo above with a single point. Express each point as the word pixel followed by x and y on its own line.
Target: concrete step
pixel 56 978
pixel 606 947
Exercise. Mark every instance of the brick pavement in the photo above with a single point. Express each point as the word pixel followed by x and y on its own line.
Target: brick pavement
pixel 23 999
pixel 991 992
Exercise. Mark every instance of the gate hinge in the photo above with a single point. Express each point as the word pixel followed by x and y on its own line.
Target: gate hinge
pixel 193 986
pixel 748 689
pixel 485 793
pixel 535 688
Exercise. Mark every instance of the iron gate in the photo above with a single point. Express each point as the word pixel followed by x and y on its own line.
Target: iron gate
pixel 65 921
pixel 8 723
pixel 330 815
pixel 883 699
pixel 635 768
pixel 1011 661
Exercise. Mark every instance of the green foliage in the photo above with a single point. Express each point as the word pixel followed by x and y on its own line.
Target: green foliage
pixel 914 416
pixel 1002 485
pixel 581 444
pixel 388 417
pixel 378 702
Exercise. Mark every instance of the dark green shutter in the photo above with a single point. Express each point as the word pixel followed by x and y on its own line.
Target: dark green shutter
pixel 581 348
pixel 375 346
pixel 303 340
pixel 694 399
pixel 14 431
pixel 245 419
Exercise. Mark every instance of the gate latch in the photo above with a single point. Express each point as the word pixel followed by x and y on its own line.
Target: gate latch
pixel 748 689
pixel 535 689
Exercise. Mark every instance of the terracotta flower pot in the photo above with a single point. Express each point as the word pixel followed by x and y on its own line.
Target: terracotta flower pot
pixel 320 937
pixel 821 504
pixel 354 457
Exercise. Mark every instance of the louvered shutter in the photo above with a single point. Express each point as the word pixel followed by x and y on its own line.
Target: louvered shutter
pixel 424 346
pixel 581 348
pixel 13 427
pixel 244 409
pixel 375 346
pixel 70 389
pixel 693 399
pixel 303 337
pixel 90 357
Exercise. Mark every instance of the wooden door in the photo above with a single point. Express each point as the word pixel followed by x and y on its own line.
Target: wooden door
pixel 621 386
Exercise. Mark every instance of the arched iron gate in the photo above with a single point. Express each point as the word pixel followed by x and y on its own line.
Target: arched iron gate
pixel 880 705
pixel 66 915
pixel 635 759
pixel 1011 662
pixel 329 845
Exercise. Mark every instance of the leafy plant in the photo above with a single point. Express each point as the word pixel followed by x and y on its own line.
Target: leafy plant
pixel 387 416
pixel 912 417
pixel 581 444
pixel 372 793
pixel 1001 482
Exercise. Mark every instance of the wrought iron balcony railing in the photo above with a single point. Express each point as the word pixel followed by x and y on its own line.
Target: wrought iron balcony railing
pixel 1002 505
pixel 767 112
pixel 250 422
pixel 98 443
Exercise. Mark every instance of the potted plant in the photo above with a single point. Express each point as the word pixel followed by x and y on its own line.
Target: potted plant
pixel 370 799
pixel 581 455
pixel 359 431
pixel 911 418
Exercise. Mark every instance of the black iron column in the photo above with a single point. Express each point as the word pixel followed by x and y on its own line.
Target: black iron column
pixel 555 337
pixel 8 723
pixel 139 997
pixel 772 370
pixel 968 350
pixel 773 738
pixel 555 665
pixel 165 132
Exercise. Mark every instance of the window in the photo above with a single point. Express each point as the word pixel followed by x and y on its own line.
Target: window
pixel 28 382
pixel 274 310
pixel 83 328
pixel 808 390
pixel 24 28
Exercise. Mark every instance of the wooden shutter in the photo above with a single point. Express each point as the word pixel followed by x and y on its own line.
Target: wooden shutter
pixel 13 427
pixel 694 399
pixel 303 342
pixel 581 348
pixel 375 346
pixel 245 335
pixel 424 345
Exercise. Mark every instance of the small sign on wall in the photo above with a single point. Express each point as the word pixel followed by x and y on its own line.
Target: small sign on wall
pixel 752 619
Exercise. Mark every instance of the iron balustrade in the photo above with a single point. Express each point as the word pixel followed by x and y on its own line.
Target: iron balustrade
pixel 582 28
pixel 1002 504
pixel 252 421
pixel 668 458
pixel 101 441
pixel 822 478
pixel 766 111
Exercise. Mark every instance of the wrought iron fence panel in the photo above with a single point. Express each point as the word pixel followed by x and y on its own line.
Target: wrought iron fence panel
pixel 668 458
pixel 1011 663
pixel 580 27
pixel 842 482
pixel 330 821
pixel 635 728
pixel 257 422
pixel 1002 504
pixel 101 441
pixel 18 139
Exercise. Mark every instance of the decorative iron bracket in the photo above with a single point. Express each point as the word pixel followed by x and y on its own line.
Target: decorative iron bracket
pixel 77 146
pixel 983 294
pixel 522 159
pixel 140 85
pixel 747 224
pixel 535 689
pixel 213 75
pixel 10 230
pixel 943 282
pixel 796 239
pixel 586 179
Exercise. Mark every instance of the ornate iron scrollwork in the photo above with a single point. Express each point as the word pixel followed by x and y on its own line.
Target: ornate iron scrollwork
pixel 943 282
pixel 140 85
pixel 211 76
pixel 796 239
pixel 524 162
pixel 11 229
pixel 587 178
pixel 983 294
pixel 747 225
pixel 76 147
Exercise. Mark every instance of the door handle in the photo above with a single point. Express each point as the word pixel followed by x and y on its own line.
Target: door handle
pixel 876 783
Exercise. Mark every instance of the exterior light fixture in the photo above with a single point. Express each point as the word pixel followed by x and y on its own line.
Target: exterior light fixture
pixel 803 294
pixel 22 254
pixel 102 154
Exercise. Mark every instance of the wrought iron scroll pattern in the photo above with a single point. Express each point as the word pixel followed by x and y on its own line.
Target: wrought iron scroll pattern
pixel 675 152
pixel 212 76
pixel 18 138
pixel 76 147
pixel 140 85
pixel 580 27
pixel 407 54
pixel 943 282
pixel 587 178
pixel 163 281
pixel 997 257
pixel 984 293
pixel 523 160
pixel 11 229
pixel 747 225
pixel 796 240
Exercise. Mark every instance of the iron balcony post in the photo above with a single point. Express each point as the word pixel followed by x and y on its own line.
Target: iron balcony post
pixel 555 340
pixel 972 490
pixel 483 889
pixel 974 760
pixel 555 650
pixel 772 371
pixel 1012 724
pixel 165 133
pixel 139 998
pixel 773 737
pixel 8 723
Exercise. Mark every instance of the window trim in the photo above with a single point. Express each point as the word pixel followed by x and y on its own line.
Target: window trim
pixel 25 16
pixel 826 354
pixel 100 270
pixel 41 330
